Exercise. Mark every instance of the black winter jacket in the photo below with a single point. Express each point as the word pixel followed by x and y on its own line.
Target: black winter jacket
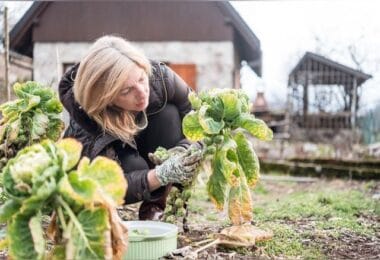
pixel 166 87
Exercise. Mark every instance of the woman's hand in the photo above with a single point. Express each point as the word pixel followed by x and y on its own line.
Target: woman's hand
pixel 176 150
pixel 179 168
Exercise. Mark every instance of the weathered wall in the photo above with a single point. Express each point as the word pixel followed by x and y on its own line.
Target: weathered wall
pixel 214 61
pixel 20 69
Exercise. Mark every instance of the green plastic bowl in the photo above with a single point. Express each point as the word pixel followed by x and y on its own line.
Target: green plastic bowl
pixel 150 239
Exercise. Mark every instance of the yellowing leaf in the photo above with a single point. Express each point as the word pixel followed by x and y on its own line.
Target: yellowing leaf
pixel 77 191
pixel 248 159
pixel 191 127
pixel 71 150
pixel 255 127
pixel 226 161
pixel 243 235
pixel 107 174
pixel 240 203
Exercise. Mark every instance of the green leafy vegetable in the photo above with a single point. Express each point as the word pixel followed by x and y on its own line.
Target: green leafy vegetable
pixel 43 179
pixel 216 117
pixel 32 117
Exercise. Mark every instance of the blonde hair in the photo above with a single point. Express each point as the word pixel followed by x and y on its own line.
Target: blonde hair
pixel 100 77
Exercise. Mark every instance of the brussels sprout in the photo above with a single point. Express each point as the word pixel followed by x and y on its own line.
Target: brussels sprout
pixel 186 194
pixel 178 203
pixel 168 209
pixel 170 219
pixel 218 139
pixel 181 212
pixel 207 140
pixel 211 150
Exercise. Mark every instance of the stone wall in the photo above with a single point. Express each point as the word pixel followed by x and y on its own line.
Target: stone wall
pixel 214 60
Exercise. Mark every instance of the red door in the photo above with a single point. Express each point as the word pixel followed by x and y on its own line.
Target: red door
pixel 188 72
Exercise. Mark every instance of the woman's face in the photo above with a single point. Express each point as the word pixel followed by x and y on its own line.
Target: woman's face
pixel 134 95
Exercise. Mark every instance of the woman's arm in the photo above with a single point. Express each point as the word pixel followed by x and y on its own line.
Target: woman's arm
pixel 178 91
pixel 153 181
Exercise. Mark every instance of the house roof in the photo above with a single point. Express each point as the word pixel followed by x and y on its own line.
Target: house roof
pixel 21 36
pixel 313 62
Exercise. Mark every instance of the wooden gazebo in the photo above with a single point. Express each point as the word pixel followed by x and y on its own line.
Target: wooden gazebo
pixel 323 94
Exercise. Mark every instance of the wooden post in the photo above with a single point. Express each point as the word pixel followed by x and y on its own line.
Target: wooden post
pixel 354 103
pixel 6 53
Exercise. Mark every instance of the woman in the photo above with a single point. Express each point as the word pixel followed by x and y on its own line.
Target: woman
pixel 124 106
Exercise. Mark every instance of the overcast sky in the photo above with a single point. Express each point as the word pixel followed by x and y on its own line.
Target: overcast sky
pixel 288 28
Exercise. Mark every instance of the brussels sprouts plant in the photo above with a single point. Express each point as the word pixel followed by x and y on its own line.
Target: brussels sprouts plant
pixel 33 116
pixel 221 119
pixel 80 198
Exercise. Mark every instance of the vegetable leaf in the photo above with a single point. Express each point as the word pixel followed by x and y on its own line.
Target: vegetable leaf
pixel 255 127
pixel 191 127
pixel 248 159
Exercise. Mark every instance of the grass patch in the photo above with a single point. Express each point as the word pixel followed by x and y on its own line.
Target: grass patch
pixel 297 214
pixel 286 242
pixel 260 189
pixel 340 207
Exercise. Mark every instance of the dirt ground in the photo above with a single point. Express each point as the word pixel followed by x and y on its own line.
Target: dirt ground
pixel 347 244
pixel 204 221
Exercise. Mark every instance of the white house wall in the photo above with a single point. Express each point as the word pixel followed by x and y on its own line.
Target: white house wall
pixel 214 60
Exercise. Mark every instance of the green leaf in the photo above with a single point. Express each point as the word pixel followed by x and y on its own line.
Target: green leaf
pixel 37 235
pixel 70 150
pixel 227 161
pixel 20 238
pixel 107 174
pixel 55 128
pixel 195 101
pixel 209 125
pixel 94 224
pixel 38 199
pixel 10 109
pixel 76 191
pixel 57 253
pixel 240 203
pixel 13 131
pixel 244 99
pixel 53 106
pixel 216 108
pixel 49 174
pixel 20 171
pixel 255 127
pixel 217 185
pixel 8 209
pixel 40 125
pixel 231 103
pixel 248 159
pixel 191 127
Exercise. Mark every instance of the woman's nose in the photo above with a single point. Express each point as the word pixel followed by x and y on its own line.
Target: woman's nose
pixel 141 90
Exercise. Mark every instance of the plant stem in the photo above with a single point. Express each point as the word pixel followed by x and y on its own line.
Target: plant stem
pixel 76 223
pixel 61 218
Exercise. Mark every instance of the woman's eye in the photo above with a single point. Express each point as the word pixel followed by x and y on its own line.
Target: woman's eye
pixel 127 91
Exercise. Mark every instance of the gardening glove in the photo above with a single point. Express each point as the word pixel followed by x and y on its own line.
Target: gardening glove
pixel 179 168
pixel 176 150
